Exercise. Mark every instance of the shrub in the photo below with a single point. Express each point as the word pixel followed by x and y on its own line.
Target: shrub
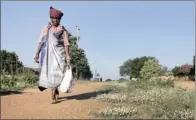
pixel 150 69
pixel 144 84
pixel 162 81
pixel 31 79
pixel 8 82
pixel 18 82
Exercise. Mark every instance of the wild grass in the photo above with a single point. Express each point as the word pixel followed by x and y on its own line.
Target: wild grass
pixel 18 82
pixel 156 97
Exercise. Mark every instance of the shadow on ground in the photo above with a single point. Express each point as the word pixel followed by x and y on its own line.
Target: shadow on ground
pixel 9 92
pixel 84 96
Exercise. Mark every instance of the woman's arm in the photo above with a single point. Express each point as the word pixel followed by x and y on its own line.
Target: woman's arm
pixel 66 44
pixel 38 48
pixel 36 58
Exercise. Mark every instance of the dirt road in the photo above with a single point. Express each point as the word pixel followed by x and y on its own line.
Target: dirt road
pixel 34 104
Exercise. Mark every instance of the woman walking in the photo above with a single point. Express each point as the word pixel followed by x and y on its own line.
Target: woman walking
pixel 53 45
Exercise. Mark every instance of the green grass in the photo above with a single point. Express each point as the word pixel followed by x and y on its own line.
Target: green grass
pixel 154 98
pixel 24 80
pixel 18 82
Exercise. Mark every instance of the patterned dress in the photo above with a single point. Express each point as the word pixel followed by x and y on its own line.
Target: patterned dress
pixel 52 61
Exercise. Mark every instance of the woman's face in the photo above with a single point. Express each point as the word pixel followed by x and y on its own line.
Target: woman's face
pixel 55 21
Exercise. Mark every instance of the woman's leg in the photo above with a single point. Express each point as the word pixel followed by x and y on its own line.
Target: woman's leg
pixel 56 93
pixel 53 95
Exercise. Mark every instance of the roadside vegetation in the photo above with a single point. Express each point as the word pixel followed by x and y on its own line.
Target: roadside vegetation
pixel 148 93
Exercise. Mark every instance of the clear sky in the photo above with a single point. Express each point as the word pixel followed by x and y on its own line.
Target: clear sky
pixel 111 32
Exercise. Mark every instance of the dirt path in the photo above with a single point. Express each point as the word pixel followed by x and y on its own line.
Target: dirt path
pixel 35 104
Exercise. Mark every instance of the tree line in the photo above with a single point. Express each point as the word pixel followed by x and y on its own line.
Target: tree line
pixel 10 63
pixel 142 66
pixel 184 70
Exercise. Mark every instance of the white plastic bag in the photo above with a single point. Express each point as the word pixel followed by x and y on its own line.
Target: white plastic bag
pixel 67 82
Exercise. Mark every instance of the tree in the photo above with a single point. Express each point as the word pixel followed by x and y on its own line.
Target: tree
pixel 125 68
pixel 79 62
pixel 136 66
pixel 87 74
pixel 185 70
pixel 133 67
pixel 176 71
pixel 10 62
pixel 151 68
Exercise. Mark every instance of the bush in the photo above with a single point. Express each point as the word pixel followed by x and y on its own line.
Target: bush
pixel 31 79
pixel 18 82
pixel 139 84
pixel 143 84
pixel 150 69
pixel 8 82
pixel 162 82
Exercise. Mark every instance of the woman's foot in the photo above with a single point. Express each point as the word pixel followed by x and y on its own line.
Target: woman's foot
pixel 54 99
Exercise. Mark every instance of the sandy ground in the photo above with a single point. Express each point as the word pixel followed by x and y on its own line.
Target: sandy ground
pixel 32 103
pixel 190 85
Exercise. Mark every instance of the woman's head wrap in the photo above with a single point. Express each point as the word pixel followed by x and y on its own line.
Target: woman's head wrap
pixel 54 13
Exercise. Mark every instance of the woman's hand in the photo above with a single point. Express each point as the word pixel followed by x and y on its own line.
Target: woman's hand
pixel 68 62
pixel 36 58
